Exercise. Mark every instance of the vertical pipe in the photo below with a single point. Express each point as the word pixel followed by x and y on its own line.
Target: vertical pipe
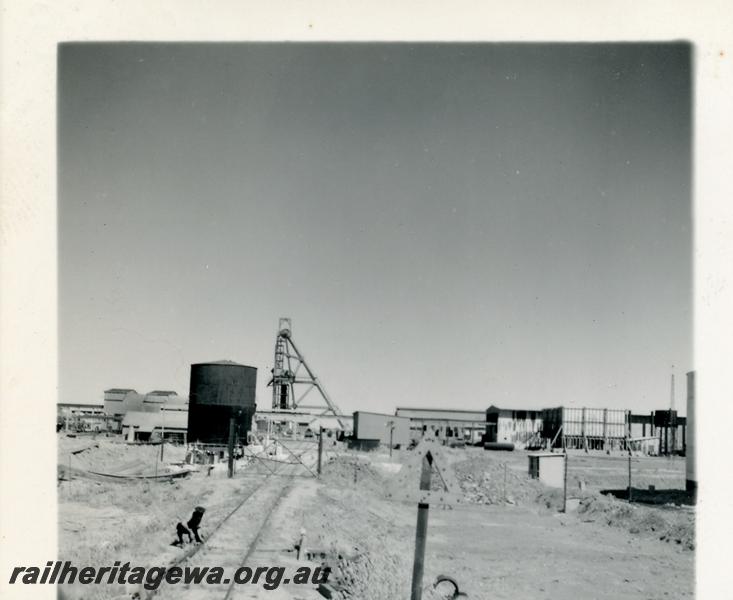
pixel 605 430
pixel 421 532
pixel 691 443
pixel 230 471
pixel 630 497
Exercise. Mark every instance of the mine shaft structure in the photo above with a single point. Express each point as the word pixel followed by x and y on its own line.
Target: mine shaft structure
pixel 293 379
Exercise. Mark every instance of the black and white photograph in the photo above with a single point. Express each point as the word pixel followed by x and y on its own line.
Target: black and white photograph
pixel 369 320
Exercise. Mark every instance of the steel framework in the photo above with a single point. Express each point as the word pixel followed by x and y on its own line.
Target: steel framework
pixel 286 375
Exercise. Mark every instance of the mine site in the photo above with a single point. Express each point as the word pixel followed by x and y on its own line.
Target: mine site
pixel 373 321
pixel 431 503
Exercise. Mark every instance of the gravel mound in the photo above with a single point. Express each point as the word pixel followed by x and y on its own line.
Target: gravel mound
pixel 482 480
pixel 669 525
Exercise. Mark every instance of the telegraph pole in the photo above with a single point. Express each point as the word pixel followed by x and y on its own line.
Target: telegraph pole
pixel 230 471
pixel 320 450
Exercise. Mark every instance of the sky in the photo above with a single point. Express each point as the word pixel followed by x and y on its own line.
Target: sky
pixel 447 225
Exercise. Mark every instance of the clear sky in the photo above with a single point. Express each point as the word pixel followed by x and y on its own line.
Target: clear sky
pixel 447 225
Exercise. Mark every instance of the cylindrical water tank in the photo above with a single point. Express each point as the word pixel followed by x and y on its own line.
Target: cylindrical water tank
pixel 219 391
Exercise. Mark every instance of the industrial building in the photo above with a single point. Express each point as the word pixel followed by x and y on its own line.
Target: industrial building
pixel 445 424
pixel 221 394
pixel 119 401
pixel 522 428
pixel 659 432
pixel 84 417
pixel 298 424
pixel 170 425
pixel 585 428
pixel 374 429
pixel 662 431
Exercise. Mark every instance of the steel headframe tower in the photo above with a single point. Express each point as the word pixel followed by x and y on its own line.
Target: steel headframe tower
pixel 286 375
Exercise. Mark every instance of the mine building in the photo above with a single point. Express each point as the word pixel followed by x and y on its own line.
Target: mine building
pixel 445 424
pixel 523 428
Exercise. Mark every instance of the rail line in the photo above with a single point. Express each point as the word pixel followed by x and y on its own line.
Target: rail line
pixel 234 535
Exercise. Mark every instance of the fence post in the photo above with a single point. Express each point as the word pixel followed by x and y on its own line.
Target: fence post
pixel 421 532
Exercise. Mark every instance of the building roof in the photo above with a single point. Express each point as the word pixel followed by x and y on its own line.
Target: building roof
pixel 148 421
pixel 329 422
pixel 452 410
pixel 118 391
pixel 441 414
pixel 376 414
pixel 493 408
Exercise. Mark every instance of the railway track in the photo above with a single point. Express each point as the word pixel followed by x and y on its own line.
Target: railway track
pixel 234 539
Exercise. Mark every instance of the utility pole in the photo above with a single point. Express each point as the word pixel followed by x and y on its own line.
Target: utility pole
pixel 672 417
pixel 320 449
pixel 390 424
pixel 232 424
pixel 162 435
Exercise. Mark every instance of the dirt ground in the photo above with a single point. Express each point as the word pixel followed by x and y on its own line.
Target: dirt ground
pixel 506 540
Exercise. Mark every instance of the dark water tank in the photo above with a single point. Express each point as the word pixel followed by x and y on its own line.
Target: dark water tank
pixel 220 390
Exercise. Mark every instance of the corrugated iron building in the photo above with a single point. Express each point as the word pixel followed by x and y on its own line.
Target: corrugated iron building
pixel 445 424
pixel 586 428
pixel 519 427
pixel 382 428
pixel 144 426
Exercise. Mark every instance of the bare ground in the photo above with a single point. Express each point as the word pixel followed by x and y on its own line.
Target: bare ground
pixel 507 541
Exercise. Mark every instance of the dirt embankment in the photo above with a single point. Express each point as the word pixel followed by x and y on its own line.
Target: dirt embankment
pixel 482 478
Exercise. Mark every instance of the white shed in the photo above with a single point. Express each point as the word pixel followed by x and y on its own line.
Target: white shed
pixel 549 468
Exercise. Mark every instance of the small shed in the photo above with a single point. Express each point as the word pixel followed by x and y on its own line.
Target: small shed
pixel 548 467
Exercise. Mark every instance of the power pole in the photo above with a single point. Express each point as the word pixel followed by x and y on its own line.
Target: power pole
pixel 390 424
pixel 320 450
pixel 162 435
pixel 232 424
